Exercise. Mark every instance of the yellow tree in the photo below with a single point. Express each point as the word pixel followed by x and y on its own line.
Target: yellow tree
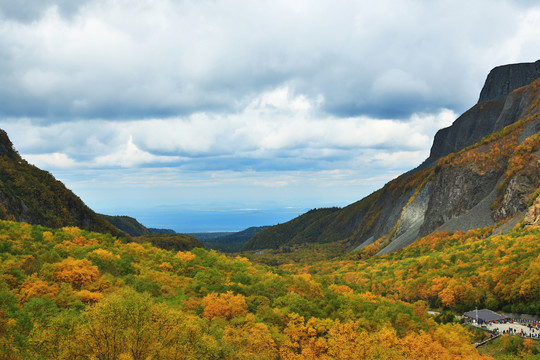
pixel 78 273
pixel 34 287
pixel 125 324
pixel 250 341
pixel 225 305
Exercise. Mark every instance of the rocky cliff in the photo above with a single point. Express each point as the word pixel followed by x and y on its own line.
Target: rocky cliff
pixel 468 129
pixel 481 170
pixel 504 79
pixel 498 106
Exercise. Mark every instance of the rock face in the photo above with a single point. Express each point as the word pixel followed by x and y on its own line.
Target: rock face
pixel 502 80
pixel 532 217
pixel 391 211
pixel 518 190
pixel 468 129
pixel 499 106
pixel 410 222
pixel 455 191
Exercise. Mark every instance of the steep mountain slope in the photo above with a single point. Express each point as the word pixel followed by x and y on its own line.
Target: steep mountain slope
pixel 231 242
pixel 127 224
pixel 133 227
pixel 494 110
pixel 34 196
pixel 481 170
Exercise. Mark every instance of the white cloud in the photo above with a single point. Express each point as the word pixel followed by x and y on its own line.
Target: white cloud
pixel 395 83
pixel 398 158
pixel 278 130
pixel 140 59
pixel 289 96
pixel 129 155
pixel 51 161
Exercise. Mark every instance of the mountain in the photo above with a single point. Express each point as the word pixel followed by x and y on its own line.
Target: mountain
pixel 127 224
pixel 482 170
pixel 133 227
pixel 493 112
pixel 161 238
pixel 161 231
pixel 31 195
pixel 176 242
pixel 228 242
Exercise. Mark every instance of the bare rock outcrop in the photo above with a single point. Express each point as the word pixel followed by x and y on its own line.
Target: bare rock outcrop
pixel 518 190
pixel 532 217
pixel 502 80
pixel 455 191
pixel 468 129
pixel 499 106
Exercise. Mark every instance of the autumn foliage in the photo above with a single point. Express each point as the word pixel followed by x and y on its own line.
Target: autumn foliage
pixel 78 273
pixel 70 294
pixel 225 305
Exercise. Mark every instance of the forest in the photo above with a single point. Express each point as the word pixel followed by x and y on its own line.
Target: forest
pixel 73 294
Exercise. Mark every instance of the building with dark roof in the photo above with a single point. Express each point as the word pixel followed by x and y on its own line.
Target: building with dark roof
pixel 484 315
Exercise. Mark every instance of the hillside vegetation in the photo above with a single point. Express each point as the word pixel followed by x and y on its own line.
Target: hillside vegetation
pixel 229 242
pixel 178 242
pixel 35 196
pixel 457 271
pixel 70 293
pixel 128 225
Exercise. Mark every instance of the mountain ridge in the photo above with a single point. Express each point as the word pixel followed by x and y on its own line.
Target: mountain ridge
pixel 133 227
pixel 228 241
pixel 504 79
pixel 29 194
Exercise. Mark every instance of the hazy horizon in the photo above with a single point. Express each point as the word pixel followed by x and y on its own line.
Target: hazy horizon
pixel 203 221
pixel 234 104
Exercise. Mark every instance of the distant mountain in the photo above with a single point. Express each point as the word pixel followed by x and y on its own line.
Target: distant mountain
pixel 127 224
pixel 483 169
pixel 161 231
pixel 304 228
pixel 227 241
pixel 209 236
pixel 31 195
pixel 133 227
pixel 176 242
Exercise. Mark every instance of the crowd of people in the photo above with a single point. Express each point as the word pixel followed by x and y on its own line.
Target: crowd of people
pixel 524 328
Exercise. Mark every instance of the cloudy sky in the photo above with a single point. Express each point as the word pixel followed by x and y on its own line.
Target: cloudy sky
pixel 215 114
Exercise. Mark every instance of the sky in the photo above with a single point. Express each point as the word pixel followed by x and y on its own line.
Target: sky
pixel 214 115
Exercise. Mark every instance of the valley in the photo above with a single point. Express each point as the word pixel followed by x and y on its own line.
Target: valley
pixel 457 233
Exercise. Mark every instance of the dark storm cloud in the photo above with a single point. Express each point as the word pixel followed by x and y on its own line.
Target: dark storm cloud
pixel 247 86
pixel 131 60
